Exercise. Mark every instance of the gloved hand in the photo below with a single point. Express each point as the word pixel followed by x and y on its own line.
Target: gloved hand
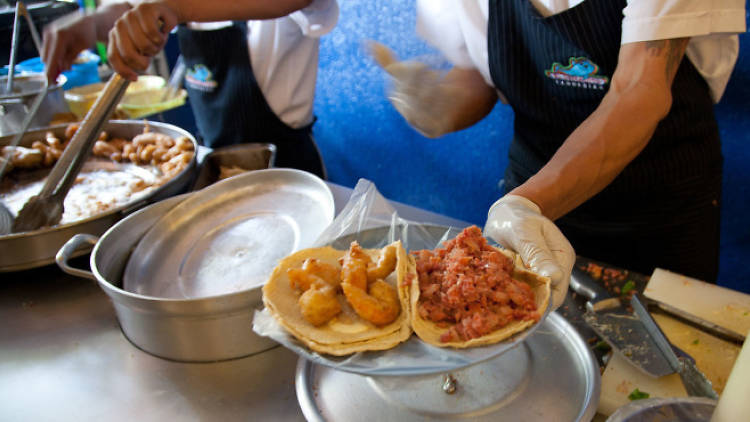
pixel 517 223
pixel 417 92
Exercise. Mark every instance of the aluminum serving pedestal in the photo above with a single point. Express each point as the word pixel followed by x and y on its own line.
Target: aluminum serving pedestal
pixel 63 357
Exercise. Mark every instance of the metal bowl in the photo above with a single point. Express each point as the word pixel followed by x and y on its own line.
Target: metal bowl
pixel 37 248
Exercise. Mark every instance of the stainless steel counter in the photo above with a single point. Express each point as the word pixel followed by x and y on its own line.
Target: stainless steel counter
pixel 63 357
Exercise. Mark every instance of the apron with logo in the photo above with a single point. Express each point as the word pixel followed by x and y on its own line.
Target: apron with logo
pixel 228 104
pixel 663 209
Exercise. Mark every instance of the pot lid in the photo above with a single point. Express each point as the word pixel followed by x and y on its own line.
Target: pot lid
pixel 228 237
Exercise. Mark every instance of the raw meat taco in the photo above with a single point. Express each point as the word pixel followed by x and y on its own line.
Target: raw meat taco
pixel 469 293
pixel 342 301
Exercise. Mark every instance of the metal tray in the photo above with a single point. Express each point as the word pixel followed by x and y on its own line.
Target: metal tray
pixel 412 357
pixel 36 248
pixel 552 376
pixel 251 156
pixel 229 236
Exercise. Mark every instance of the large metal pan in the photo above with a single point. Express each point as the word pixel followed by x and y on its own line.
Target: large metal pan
pixel 37 248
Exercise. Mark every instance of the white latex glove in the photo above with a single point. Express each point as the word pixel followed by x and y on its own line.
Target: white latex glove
pixel 417 92
pixel 518 224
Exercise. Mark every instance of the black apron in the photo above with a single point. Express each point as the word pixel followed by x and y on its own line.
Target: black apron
pixel 228 104
pixel 663 209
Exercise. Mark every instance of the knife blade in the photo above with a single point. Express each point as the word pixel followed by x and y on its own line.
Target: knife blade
pixel 695 382
pixel 617 325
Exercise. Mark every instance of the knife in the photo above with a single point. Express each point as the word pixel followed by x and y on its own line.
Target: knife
pixel 617 325
pixel 695 382
pixel 636 336
pixel 694 321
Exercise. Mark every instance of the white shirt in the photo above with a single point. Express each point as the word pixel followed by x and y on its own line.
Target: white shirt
pixel 458 28
pixel 284 55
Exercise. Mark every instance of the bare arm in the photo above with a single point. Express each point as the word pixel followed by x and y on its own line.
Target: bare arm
pixel 614 134
pixel 472 98
pixel 143 30
pixel 220 10
pixel 64 38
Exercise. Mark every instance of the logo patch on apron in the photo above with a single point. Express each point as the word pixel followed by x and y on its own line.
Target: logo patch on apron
pixel 580 72
pixel 198 77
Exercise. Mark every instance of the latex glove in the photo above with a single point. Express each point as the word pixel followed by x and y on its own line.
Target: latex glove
pixel 138 35
pixel 518 224
pixel 417 92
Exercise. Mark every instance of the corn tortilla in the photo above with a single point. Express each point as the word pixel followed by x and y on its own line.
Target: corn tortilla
pixel 430 332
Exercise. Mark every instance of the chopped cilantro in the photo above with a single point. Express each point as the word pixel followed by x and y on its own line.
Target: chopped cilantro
pixel 628 286
pixel 696 341
pixel 638 394
pixel 602 345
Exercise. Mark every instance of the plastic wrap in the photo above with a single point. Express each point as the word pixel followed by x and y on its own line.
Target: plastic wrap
pixel 369 219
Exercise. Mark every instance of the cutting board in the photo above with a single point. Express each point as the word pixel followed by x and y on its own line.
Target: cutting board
pixel 713 356
pixel 724 307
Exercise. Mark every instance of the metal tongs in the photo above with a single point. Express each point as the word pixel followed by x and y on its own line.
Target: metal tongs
pixel 175 79
pixel 46 208
pixel 6 218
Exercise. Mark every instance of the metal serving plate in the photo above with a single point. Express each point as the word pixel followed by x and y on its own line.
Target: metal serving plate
pixel 229 236
pixel 36 248
pixel 552 376
pixel 412 357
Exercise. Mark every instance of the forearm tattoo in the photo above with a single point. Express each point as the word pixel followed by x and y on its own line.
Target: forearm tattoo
pixel 673 49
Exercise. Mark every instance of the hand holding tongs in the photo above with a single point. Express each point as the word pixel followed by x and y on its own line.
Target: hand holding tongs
pixel 46 208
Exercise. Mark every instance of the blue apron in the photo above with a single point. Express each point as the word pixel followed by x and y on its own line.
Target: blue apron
pixel 228 104
pixel 663 209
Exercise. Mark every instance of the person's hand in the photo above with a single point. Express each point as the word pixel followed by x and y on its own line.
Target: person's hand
pixel 64 39
pixel 417 92
pixel 517 223
pixel 138 35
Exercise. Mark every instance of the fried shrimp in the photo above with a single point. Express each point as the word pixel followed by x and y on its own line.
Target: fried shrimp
pixel 318 304
pixel 379 305
pixel 378 302
pixel 385 265
pixel 314 270
pixel 331 274
pixel 354 267
pixel 301 279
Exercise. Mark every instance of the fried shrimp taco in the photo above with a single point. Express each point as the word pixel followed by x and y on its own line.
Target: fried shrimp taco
pixel 342 301
pixel 471 294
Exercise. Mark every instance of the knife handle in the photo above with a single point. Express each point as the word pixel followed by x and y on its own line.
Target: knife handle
pixel 584 285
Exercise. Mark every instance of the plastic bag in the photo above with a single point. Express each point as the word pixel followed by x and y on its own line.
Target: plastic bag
pixel 369 219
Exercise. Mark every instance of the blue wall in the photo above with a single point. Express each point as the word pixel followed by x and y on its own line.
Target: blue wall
pixel 361 135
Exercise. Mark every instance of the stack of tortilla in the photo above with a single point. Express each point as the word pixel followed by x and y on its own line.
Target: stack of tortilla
pixel 347 332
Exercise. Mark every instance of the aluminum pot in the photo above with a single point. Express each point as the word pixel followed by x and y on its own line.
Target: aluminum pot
pixel 189 330
pixel 15 106
pixel 36 248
